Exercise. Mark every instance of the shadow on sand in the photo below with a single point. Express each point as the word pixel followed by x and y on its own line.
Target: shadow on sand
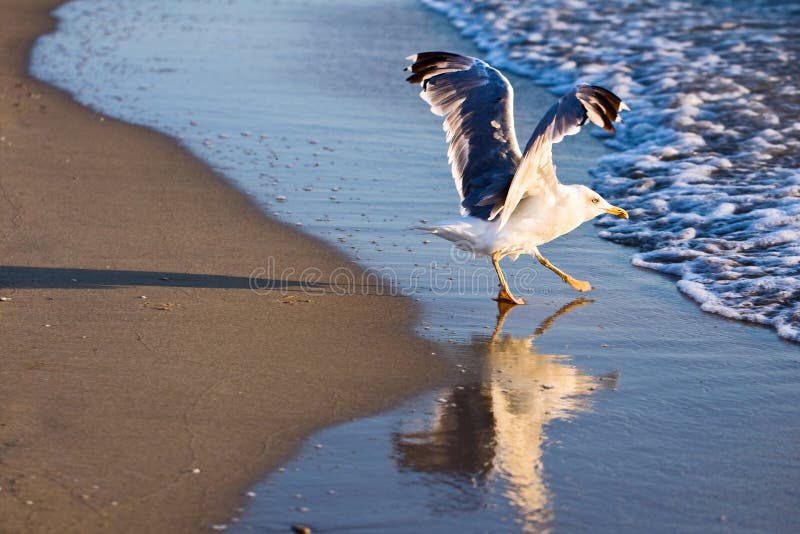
pixel 21 277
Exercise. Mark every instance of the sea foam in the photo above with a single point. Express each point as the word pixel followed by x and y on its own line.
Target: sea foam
pixel 708 159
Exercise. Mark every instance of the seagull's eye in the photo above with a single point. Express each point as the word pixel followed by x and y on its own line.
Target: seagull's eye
pixel 595 200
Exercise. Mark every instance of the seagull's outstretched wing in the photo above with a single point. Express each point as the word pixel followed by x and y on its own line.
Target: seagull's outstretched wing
pixel 536 172
pixel 477 102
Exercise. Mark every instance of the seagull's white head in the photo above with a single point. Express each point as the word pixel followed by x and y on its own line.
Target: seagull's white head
pixel 595 205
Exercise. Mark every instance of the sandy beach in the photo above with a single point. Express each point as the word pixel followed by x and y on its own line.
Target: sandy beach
pixel 146 388
pixel 696 432
pixel 144 385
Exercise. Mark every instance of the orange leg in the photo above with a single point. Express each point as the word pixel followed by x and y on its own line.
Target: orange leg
pixel 580 285
pixel 505 294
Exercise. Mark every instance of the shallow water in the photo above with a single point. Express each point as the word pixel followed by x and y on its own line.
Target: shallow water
pixel 301 142
pixel 468 456
pixel 660 418
pixel 710 155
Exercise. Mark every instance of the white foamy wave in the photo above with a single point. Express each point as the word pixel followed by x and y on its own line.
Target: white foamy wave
pixel 708 160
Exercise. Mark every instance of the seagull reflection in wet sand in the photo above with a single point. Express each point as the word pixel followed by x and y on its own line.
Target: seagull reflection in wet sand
pixel 491 434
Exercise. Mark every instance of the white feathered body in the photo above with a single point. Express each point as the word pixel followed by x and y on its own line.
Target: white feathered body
pixel 535 221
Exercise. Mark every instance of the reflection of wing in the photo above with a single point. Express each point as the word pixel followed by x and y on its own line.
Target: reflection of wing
pixel 459 441
pixel 536 171
pixel 531 391
pixel 494 431
pixel 477 102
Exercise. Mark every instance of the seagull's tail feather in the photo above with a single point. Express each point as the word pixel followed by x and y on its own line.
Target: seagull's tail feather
pixel 463 233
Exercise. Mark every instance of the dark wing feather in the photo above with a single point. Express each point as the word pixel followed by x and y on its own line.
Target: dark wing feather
pixel 536 172
pixel 477 102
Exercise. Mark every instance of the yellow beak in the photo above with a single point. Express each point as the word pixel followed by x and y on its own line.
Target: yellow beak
pixel 617 212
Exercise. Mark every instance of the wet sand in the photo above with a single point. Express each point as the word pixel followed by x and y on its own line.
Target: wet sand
pixel 130 414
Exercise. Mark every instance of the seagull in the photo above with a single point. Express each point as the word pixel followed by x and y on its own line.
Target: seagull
pixel 511 200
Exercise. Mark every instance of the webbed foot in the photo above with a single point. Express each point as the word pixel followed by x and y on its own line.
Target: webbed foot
pixel 580 285
pixel 507 297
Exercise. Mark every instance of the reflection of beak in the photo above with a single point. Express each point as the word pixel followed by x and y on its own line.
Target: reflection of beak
pixel 617 212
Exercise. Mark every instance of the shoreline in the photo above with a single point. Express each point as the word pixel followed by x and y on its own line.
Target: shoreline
pixel 697 424
pixel 154 414
pixel 684 382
